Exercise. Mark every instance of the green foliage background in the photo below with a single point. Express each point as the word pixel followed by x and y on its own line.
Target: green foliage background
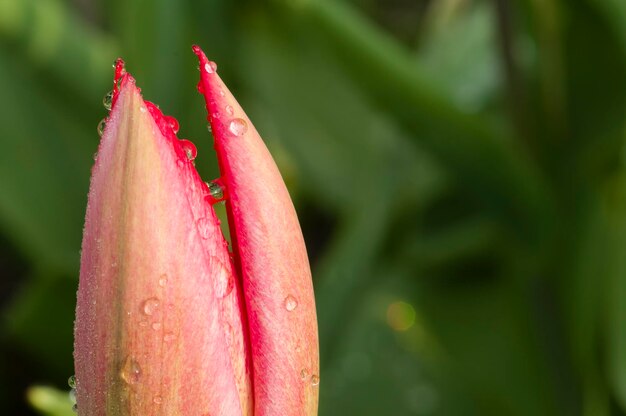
pixel 458 166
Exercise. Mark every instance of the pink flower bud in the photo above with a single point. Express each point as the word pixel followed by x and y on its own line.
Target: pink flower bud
pixel 168 322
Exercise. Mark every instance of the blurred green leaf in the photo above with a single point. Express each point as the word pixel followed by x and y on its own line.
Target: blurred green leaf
pixel 49 401
pixel 40 320
pixel 44 164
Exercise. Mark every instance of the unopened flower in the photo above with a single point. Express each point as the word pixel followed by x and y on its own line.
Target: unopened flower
pixel 168 321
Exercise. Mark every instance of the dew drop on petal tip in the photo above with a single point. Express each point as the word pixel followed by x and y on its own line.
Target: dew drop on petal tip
pixel 290 303
pixel 210 67
pixel 107 101
pixel 101 126
pixel 237 127
pixel 150 306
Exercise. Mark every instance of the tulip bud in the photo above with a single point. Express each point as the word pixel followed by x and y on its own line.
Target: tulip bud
pixel 168 322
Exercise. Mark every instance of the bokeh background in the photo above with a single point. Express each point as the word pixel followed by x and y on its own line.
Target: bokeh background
pixel 458 167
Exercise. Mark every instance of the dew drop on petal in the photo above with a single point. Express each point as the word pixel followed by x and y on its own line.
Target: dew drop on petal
pixel 237 127
pixel 290 303
pixel 72 382
pixel 158 400
pixel 216 191
pixel 189 148
pixel 173 123
pixel 209 128
pixel 229 110
pixel 163 280
pixel 304 373
pixel 315 380
pixel 221 93
pixel 204 227
pixel 75 408
pixel 210 67
pixel 101 126
pixel 150 306
pixel 131 371
pixel 107 101
pixel 156 326
pixel 223 283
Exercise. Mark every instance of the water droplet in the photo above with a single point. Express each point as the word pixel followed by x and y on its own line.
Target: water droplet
pixel 169 336
pixel 200 87
pixel 101 126
pixel 204 227
pixel 290 303
pixel 72 395
pixel 150 306
pixel 156 326
pixel 75 408
pixel 210 67
pixel 209 128
pixel 189 148
pixel 173 123
pixel 163 280
pixel 221 93
pixel 72 382
pixel 107 101
pixel 216 191
pixel 315 380
pixel 237 127
pixel 229 110
pixel 143 109
pixel 223 282
pixel 130 372
pixel 158 400
pixel 304 373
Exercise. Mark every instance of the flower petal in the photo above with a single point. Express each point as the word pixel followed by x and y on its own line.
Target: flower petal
pixel 159 323
pixel 270 256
